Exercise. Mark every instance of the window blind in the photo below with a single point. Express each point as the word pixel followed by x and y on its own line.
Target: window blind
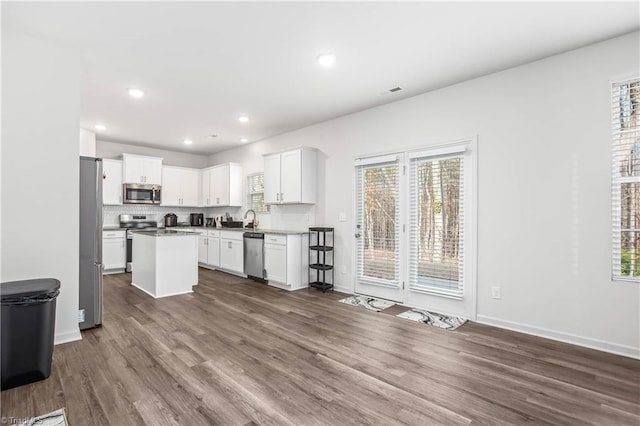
pixel 436 224
pixel 256 193
pixel 625 182
pixel 378 221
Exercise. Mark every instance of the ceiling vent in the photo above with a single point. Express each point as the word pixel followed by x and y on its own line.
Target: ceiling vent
pixel 212 136
pixel 392 90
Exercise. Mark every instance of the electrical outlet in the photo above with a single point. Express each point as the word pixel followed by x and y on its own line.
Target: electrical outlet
pixel 81 315
pixel 495 293
pixel 343 270
pixel 342 217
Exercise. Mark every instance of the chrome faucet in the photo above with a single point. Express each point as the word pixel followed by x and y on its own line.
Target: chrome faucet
pixel 253 223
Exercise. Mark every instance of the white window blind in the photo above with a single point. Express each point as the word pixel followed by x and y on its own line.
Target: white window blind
pixel 256 193
pixel 436 225
pixel 378 221
pixel 625 188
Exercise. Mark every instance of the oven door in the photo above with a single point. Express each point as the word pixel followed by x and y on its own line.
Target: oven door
pixel 141 194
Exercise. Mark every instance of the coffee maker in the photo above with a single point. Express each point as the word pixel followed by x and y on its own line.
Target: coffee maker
pixel 196 219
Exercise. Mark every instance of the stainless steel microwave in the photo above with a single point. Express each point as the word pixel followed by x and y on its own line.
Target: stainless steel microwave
pixel 139 193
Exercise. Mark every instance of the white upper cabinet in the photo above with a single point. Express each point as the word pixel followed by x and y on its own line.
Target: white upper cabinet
pixel 272 179
pixel 142 169
pixel 222 185
pixel 205 187
pixel 111 182
pixel 180 186
pixel 290 177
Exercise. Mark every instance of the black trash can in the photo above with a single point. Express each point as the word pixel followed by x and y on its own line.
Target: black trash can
pixel 28 312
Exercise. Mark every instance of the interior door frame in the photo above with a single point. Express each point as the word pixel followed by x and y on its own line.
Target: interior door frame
pixel 471 214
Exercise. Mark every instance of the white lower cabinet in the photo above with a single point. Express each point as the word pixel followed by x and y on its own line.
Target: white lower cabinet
pixel 209 248
pixel 232 251
pixel 114 251
pixel 286 257
pixel 286 260
pixel 213 253
pixel 213 245
pixel 275 258
pixel 202 248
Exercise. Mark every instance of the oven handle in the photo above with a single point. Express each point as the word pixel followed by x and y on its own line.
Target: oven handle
pixel 155 199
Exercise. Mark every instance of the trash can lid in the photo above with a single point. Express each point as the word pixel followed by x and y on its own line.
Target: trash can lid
pixel 12 290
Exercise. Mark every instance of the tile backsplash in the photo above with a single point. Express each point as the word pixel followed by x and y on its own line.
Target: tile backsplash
pixel 290 217
pixel 111 214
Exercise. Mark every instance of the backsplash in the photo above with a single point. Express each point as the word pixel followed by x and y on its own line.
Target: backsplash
pixel 289 217
pixel 295 217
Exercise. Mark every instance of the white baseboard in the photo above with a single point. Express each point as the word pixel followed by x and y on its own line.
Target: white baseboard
pixel 615 348
pixel 70 336
pixel 164 295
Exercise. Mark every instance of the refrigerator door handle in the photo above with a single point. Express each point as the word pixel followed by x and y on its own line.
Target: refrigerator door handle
pixel 99 211
pixel 97 295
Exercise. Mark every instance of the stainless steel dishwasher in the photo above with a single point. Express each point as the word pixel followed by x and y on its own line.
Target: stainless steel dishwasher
pixel 254 254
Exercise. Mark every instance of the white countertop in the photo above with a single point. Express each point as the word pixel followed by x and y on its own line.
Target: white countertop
pixel 207 228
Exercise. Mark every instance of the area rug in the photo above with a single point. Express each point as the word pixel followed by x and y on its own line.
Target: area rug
pixel 55 418
pixel 367 302
pixel 433 318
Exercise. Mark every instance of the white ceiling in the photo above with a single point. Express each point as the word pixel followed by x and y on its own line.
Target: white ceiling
pixel 204 64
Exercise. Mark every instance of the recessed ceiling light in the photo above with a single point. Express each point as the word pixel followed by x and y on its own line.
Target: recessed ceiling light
pixel 100 127
pixel 244 140
pixel 135 93
pixel 326 59
pixel 188 141
pixel 243 119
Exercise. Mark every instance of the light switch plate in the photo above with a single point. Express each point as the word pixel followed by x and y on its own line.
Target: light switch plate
pixel 342 217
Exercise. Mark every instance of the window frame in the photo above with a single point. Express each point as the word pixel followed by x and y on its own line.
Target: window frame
pixel 618 180
pixel 250 194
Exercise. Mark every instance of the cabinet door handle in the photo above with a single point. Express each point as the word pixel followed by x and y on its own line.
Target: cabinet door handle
pixel 281 196
pixel 277 196
pixel 123 243
pixel 229 244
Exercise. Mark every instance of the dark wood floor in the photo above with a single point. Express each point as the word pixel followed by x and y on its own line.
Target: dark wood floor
pixel 238 352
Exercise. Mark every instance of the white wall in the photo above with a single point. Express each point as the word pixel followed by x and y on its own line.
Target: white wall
pixel 105 149
pixel 40 116
pixel 544 216
pixel 87 143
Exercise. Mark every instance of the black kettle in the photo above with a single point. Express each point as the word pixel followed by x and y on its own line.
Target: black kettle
pixel 170 219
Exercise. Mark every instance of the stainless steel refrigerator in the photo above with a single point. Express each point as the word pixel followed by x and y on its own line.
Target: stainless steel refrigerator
pixel 90 314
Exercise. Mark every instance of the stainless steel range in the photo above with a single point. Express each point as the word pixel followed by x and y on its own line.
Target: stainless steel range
pixel 132 222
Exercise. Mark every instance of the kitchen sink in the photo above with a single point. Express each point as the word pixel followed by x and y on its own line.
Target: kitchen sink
pixel 233 224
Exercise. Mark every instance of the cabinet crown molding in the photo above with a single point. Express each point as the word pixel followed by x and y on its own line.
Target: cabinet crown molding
pixel 294 148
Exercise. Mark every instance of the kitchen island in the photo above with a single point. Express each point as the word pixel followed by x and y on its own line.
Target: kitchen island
pixel 165 262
